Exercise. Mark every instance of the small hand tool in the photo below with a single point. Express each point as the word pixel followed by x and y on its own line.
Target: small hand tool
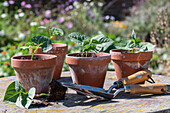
pixel 138 77
pixel 155 88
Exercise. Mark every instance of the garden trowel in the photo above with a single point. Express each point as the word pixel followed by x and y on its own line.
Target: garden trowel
pixel 155 88
pixel 138 77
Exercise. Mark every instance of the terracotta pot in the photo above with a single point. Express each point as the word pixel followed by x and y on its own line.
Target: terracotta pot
pixel 126 63
pixel 34 73
pixel 60 51
pixel 89 71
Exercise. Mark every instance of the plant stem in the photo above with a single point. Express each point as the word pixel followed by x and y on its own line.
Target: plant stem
pixel 33 54
pixel 86 53
pixel 35 51
pixel 42 94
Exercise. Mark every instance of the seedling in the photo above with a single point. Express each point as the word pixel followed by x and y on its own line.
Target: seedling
pixel 43 41
pixel 96 43
pixel 133 43
pixel 15 93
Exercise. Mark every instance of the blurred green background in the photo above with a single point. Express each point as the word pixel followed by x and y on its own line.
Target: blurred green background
pixel 19 21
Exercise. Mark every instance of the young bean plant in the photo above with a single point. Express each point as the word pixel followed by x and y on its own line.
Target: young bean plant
pixel 96 43
pixel 133 43
pixel 43 41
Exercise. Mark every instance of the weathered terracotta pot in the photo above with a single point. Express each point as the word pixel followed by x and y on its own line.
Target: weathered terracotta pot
pixel 126 63
pixel 34 73
pixel 60 51
pixel 89 71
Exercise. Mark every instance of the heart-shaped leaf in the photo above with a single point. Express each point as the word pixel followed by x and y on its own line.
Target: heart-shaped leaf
pixel 77 38
pixel 146 46
pixel 57 31
pixel 12 92
pixel 25 99
pixel 45 41
pixel 104 42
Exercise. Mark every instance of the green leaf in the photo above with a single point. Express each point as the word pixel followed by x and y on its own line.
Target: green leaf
pixel 104 42
pixel 133 35
pixel 94 41
pixel 12 92
pixel 46 46
pixel 85 42
pixel 89 47
pixel 25 99
pixel 57 31
pixel 111 36
pixel 42 27
pixel 77 38
pixel 146 46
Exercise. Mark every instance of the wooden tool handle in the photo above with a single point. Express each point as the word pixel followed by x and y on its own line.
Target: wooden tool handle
pixel 156 88
pixel 138 77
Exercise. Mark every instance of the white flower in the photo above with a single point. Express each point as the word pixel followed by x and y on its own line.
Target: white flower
pixel 33 23
pixel 77 6
pixel 21 14
pixel 2 33
pixel 5 4
pixel 100 4
pixel 91 3
pixel 112 18
pixel 3 15
pixel 88 0
pixel 16 16
pixel 107 17
pixel 70 7
pixel 75 3
pixel 85 3
pixel 75 13
pixel 21 35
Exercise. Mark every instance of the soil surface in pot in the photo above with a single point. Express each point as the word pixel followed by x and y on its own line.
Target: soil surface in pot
pixel 57 91
pixel 84 55
pixel 28 58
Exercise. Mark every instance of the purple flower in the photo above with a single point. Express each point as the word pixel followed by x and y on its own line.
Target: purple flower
pixel 88 12
pixel 69 25
pixel 92 16
pixel 124 4
pixel 112 18
pixel 47 13
pixel 36 5
pixel 42 23
pixel 66 9
pixel 11 2
pixel 28 6
pixel 23 3
pixel 53 1
pixel 61 19
pixel 70 1
pixel 67 3
pixel 62 5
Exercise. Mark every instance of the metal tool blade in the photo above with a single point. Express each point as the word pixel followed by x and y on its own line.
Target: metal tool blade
pixel 168 91
pixel 89 90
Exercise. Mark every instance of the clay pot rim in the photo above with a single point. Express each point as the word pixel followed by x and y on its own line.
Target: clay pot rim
pixel 59 45
pixel 47 57
pixel 104 55
pixel 119 51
